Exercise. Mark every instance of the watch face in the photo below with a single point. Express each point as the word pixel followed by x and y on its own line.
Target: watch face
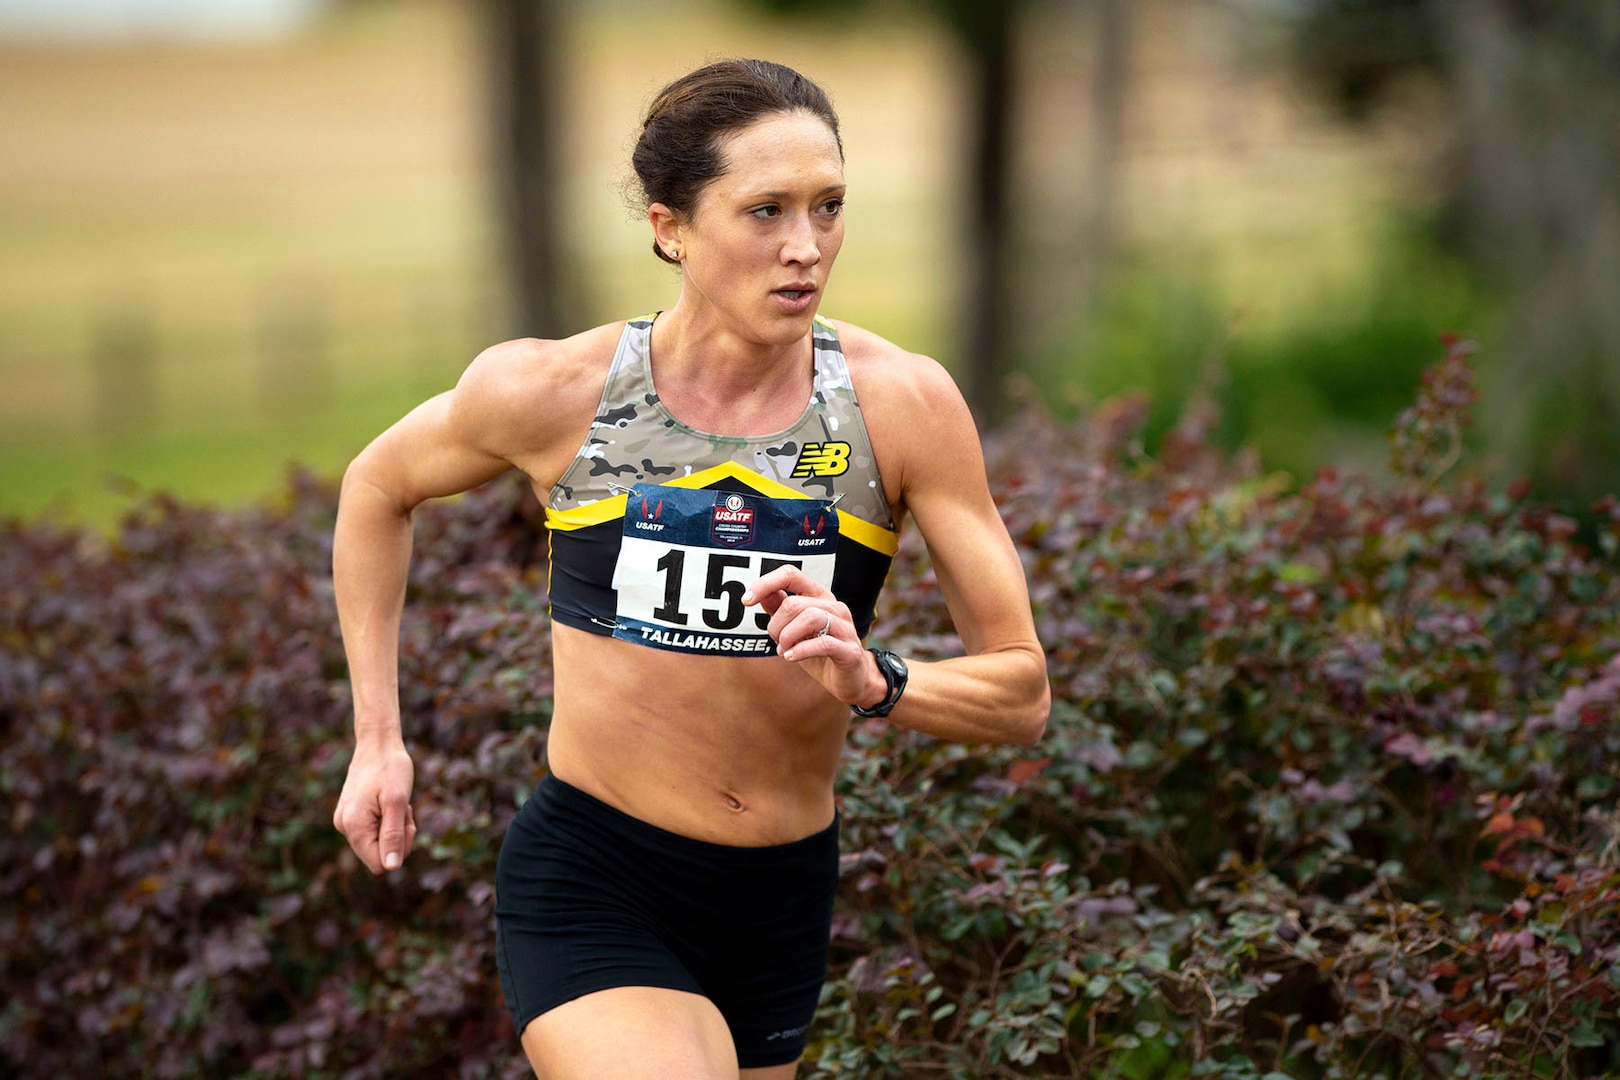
pixel 894 676
pixel 894 673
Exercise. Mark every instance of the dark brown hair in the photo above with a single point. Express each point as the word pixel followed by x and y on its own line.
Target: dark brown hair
pixel 679 151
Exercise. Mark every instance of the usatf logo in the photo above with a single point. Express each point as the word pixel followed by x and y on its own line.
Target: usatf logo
pixel 650 513
pixel 822 459
pixel 814 532
pixel 733 521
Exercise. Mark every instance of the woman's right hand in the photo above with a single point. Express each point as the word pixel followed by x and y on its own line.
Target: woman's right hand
pixel 374 810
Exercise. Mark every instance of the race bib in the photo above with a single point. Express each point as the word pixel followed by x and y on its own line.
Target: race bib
pixel 689 555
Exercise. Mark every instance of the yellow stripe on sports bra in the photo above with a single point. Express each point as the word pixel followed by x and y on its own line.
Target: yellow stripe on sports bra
pixel 866 534
pixel 857 529
pixel 580 517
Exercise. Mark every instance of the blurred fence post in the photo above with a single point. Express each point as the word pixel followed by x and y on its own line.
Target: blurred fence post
pixel 295 362
pixel 123 357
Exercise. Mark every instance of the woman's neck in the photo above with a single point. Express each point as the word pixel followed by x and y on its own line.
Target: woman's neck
pixel 716 380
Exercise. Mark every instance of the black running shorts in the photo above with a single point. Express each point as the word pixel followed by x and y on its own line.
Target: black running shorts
pixel 589 898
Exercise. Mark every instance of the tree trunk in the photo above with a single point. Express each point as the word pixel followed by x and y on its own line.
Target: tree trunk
pixel 1102 159
pixel 1539 109
pixel 524 66
pixel 987 33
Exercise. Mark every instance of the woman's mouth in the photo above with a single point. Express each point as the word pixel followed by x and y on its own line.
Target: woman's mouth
pixel 796 299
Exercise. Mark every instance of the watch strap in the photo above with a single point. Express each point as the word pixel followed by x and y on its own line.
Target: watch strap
pixel 894 676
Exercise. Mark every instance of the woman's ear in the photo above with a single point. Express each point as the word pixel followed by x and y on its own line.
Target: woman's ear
pixel 666 227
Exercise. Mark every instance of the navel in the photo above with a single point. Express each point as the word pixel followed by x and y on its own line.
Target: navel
pixel 734 803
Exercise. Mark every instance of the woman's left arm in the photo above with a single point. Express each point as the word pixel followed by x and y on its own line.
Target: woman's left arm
pixel 998 692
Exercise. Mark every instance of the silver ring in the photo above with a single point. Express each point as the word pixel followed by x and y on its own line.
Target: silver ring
pixel 823 631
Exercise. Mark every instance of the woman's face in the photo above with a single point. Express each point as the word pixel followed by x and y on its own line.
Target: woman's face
pixel 762 238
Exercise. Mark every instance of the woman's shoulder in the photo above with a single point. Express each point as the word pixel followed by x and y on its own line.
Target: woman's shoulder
pixel 532 363
pixel 884 372
pixel 535 388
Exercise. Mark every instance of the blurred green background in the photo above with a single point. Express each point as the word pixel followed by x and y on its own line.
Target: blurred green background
pixel 237 236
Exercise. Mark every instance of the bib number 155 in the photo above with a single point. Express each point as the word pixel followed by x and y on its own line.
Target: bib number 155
pixel 719 583
pixel 690 598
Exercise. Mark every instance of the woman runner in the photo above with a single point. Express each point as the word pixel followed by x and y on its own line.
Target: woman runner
pixel 724 484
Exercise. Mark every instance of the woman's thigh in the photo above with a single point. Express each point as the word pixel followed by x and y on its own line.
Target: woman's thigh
pixel 633 1032
pixel 771 1072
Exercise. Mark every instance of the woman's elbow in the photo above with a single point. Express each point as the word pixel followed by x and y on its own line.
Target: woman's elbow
pixel 1035 704
pixel 370 481
pixel 1033 723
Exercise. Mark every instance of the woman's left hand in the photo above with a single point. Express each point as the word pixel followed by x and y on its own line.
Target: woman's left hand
pixel 813 629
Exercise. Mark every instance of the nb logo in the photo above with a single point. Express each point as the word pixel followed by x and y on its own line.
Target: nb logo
pixel 822 459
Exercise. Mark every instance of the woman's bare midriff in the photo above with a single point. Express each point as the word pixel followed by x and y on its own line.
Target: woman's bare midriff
pixel 723 749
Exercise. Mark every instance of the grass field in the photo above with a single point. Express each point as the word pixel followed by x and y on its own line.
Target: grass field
pixel 215 261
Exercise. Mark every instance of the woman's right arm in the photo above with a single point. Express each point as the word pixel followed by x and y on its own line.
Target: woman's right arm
pixel 449 444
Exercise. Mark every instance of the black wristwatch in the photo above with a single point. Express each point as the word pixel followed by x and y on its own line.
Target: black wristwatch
pixel 895 674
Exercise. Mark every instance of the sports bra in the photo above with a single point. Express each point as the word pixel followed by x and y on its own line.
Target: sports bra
pixel 656 528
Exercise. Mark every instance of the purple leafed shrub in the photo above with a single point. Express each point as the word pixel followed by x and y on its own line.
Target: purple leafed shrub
pixel 1329 788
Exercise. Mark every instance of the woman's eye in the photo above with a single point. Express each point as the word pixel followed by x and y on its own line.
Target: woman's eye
pixel 768 211
pixel 832 206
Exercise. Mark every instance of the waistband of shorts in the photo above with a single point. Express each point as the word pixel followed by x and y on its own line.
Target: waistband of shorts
pixel 554 793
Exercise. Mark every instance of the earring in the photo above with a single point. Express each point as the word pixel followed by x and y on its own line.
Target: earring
pixel 674 253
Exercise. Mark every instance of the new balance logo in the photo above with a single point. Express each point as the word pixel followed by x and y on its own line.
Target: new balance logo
pixel 822 459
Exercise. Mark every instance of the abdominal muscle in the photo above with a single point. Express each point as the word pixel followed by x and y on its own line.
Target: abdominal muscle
pixel 729 750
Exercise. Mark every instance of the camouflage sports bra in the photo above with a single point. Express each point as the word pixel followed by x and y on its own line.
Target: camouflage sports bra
pixel 656 528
